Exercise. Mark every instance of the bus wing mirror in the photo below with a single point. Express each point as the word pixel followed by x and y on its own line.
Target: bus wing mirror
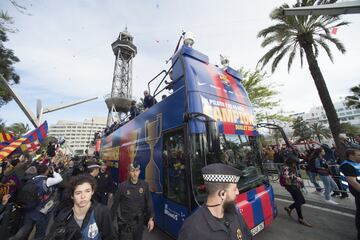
pixel 212 136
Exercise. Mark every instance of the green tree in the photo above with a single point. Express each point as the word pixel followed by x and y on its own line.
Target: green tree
pixel 349 129
pixel 301 129
pixel 262 95
pixel 18 129
pixel 45 144
pixel 305 34
pixel 354 99
pixel 2 125
pixel 320 131
pixel 7 60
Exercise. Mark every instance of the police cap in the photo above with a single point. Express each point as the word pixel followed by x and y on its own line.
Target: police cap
pixel 92 164
pixel 220 173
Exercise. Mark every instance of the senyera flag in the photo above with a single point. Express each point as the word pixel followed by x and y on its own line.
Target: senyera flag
pixel 28 143
pixel 6 137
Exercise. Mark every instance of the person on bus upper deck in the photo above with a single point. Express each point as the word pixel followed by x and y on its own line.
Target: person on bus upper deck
pixel 134 110
pixel 219 218
pixel 148 100
pixel 134 202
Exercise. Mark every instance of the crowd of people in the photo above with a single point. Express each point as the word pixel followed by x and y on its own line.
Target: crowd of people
pixel 147 102
pixel 59 197
pixel 321 162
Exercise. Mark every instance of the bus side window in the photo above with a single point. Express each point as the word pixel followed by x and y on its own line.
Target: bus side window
pixel 174 167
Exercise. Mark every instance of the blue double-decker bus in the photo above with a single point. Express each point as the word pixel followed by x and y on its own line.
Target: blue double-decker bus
pixel 208 118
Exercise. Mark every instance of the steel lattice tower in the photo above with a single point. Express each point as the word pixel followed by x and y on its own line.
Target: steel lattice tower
pixel 118 101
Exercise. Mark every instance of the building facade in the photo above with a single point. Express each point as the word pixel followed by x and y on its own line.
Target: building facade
pixel 77 135
pixel 317 114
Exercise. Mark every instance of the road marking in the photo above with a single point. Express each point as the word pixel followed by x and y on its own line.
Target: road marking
pixel 320 208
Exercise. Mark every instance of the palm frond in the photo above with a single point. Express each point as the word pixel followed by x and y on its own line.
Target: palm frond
pixel 319 26
pixel 326 47
pixel 279 57
pixel 275 28
pixel 266 58
pixel 341 24
pixel 335 41
pixel 268 40
pixel 291 56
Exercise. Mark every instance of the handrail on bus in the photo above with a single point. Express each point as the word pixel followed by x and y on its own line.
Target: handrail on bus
pixel 190 115
pixel 163 71
pixel 276 127
pixel 156 92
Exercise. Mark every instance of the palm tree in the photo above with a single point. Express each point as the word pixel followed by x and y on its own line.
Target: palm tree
pixel 320 131
pixel 354 99
pixel 301 129
pixel 2 125
pixel 349 129
pixel 18 129
pixel 305 34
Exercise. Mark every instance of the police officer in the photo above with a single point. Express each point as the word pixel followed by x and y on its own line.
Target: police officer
pixel 350 175
pixel 133 200
pixel 105 185
pixel 218 218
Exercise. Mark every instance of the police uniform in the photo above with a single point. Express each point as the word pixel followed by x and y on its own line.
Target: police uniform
pixel 136 208
pixel 203 225
pixel 105 186
pixel 352 169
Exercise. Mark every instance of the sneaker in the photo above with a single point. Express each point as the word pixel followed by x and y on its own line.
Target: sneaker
pixel 335 194
pixel 344 196
pixel 288 210
pixel 305 223
pixel 331 202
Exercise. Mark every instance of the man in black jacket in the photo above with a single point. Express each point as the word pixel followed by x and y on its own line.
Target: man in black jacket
pixel 218 218
pixel 85 219
pixel 105 185
pixel 133 200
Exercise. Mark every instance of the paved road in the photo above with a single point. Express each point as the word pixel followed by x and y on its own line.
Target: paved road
pixel 327 225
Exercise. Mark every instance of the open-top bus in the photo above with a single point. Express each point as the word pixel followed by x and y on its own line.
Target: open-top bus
pixel 208 118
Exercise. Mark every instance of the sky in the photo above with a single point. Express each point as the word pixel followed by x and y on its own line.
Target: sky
pixel 65 50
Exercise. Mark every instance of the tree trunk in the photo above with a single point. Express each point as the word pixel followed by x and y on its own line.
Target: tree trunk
pixel 325 98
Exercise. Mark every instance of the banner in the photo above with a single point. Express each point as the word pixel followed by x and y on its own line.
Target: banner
pixel 28 143
pixel 6 151
pixel 6 137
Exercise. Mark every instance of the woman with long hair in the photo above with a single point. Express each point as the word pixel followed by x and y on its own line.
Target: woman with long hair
pixel 293 183
pixel 323 171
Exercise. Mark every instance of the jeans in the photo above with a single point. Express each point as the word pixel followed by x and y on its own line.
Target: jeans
pixel 312 176
pixel 329 185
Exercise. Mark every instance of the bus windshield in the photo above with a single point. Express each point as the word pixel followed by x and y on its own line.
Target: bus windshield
pixel 239 151
pixel 242 152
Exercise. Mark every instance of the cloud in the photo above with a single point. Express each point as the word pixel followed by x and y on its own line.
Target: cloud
pixel 65 49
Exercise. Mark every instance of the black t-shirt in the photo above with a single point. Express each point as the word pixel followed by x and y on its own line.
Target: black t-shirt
pixel 350 171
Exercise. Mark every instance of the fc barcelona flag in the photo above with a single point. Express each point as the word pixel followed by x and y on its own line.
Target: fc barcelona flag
pixel 29 142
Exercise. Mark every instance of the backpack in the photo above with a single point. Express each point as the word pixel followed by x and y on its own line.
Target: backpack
pixel 282 179
pixel 29 195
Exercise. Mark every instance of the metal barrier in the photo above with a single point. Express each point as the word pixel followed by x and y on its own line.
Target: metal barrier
pixel 273 170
